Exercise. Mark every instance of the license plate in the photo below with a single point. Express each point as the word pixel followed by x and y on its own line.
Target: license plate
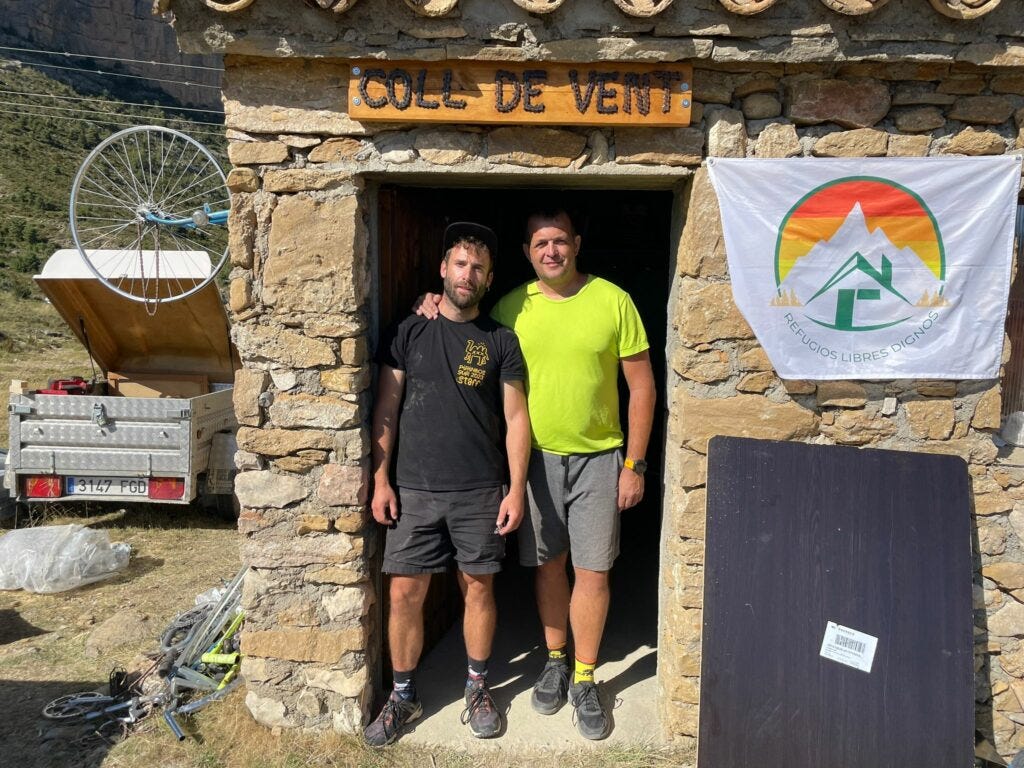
pixel 108 486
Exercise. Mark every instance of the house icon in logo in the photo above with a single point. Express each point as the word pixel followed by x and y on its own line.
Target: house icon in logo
pixel 859 279
pixel 847 297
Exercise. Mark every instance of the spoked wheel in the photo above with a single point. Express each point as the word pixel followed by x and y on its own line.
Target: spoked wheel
pixel 74 705
pixel 149 210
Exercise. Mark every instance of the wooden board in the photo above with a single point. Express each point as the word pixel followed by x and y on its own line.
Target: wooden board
pixel 877 541
pixel 538 93
pixel 189 336
pixel 157 384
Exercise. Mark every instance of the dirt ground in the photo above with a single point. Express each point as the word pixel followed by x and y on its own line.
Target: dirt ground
pixel 177 553
pixel 44 638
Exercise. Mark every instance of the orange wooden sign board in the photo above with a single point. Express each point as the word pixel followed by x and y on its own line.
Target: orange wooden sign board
pixel 538 93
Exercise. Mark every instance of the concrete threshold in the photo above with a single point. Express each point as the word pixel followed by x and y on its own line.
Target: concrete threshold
pixel 626 673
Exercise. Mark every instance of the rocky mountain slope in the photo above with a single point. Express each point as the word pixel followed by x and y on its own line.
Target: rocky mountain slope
pixel 125 29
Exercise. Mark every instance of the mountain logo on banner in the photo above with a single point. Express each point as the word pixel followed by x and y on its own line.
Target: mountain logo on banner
pixel 860 254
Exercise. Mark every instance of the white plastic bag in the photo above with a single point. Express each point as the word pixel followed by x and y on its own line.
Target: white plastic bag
pixel 56 558
pixel 211 596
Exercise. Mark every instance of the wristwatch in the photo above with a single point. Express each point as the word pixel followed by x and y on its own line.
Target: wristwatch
pixel 637 465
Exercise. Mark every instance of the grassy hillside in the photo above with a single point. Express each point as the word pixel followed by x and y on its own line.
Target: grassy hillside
pixel 43 141
pixel 38 157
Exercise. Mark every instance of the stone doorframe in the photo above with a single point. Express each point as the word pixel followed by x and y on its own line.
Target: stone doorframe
pixel 670 633
pixel 676 180
pixel 303 298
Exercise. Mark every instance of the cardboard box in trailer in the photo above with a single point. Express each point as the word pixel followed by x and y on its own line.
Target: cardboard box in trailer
pixel 157 426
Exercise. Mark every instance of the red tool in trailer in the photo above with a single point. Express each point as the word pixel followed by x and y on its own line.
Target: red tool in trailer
pixel 76 385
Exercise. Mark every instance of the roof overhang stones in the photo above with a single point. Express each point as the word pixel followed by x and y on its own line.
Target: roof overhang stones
pixel 955 9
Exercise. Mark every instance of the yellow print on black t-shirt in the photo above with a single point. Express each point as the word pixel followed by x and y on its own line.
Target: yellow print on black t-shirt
pixel 472 373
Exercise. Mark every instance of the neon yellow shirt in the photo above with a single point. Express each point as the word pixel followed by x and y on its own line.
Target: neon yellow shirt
pixel 572 349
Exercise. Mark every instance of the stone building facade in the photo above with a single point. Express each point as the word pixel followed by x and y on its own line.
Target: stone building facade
pixel 828 78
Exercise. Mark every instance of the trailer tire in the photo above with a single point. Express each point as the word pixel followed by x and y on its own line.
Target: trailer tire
pixel 23 517
pixel 8 511
pixel 222 505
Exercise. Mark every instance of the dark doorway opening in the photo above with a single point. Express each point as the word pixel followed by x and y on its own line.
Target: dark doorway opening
pixel 627 240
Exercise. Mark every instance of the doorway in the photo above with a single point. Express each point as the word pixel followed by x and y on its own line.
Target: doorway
pixel 627 239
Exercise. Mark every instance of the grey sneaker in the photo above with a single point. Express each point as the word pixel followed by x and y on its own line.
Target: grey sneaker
pixel 481 714
pixel 551 690
pixel 588 714
pixel 397 713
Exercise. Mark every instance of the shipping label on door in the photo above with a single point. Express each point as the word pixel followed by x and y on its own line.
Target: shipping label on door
pixel 848 646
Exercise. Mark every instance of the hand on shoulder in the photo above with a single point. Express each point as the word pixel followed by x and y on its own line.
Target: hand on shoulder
pixel 427 305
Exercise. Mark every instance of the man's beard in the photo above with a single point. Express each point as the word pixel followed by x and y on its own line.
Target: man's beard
pixel 463 301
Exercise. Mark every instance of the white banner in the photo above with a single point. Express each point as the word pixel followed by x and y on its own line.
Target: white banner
pixel 872 268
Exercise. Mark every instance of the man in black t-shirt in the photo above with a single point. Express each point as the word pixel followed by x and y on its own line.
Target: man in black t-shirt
pixel 461 376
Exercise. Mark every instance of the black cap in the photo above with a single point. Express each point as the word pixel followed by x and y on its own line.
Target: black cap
pixel 460 229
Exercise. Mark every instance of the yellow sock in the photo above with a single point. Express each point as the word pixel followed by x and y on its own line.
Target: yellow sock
pixel 584 672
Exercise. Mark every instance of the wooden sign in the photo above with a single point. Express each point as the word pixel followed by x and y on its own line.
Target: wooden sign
pixel 541 93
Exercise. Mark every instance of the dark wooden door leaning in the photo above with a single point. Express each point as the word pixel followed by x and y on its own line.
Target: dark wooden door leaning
pixel 838 625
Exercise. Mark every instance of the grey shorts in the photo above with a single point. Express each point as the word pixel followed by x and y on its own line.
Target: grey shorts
pixel 573 505
pixel 433 527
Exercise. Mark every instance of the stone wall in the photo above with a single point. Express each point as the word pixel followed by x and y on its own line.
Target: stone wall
pixel 300 299
pixel 721 382
pixel 300 305
pixel 298 296
pixel 298 217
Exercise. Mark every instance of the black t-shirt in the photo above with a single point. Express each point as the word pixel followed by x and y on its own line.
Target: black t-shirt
pixel 451 425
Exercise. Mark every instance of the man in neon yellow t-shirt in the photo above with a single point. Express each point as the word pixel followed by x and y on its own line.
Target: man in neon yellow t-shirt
pixel 576 331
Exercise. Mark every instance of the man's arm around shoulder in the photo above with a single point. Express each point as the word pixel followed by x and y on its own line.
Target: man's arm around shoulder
pixel 390 385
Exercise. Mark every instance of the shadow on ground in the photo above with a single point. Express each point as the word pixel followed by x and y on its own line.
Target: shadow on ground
pixel 30 741
pixel 108 515
pixel 13 627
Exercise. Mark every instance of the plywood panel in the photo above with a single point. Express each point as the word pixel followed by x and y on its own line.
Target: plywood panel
pixel 191 335
pixel 158 384
pixel 878 541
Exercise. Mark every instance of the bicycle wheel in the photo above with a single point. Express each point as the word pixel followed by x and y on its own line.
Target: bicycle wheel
pixel 180 630
pixel 149 213
pixel 75 705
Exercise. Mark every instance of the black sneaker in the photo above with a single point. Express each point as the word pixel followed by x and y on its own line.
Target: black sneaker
pixel 551 690
pixel 591 721
pixel 481 714
pixel 397 713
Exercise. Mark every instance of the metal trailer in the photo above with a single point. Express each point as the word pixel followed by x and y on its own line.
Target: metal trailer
pixel 144 440
pixel 111 448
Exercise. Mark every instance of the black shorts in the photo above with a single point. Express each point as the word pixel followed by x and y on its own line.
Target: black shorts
pixel 434 526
